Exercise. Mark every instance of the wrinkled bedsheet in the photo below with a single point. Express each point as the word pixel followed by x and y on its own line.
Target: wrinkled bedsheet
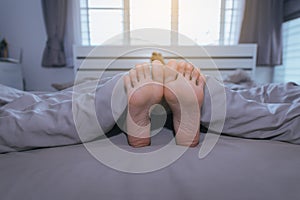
pixel 72 116
pixel 236 169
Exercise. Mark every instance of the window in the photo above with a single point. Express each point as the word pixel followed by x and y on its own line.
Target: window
pixel 100 20
pixel 150 14
pixel 290 70
pixel 205 22
pixel 198 22
pixel 231 21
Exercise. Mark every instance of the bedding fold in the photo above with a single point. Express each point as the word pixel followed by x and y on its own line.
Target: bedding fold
pixel 271 111
pixel 45 120
pixel 31 120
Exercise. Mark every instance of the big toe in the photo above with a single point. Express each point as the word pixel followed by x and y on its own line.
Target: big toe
pixel 157 71
pixel 170 74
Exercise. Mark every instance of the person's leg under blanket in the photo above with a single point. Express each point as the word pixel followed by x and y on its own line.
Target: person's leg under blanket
pixel 248 115
pixel 46 120
pixel 273 93
pixel 8 94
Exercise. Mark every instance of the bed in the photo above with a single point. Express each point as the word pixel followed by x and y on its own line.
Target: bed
pixel 216 61
pixel 235 168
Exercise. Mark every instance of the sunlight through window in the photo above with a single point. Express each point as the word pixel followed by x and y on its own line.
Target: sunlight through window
pixel 200 20
pixel 205 22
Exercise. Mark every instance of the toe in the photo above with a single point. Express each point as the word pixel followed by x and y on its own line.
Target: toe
pixel 201 80
pixel 156 62
pixel 157 71
pixel 172 64
pixel 140 72
pixel 133 77
pixel 147 70
pixel 195 74
pixel 180 67
pixel 188 71
pixel 127 83
pixel 170 74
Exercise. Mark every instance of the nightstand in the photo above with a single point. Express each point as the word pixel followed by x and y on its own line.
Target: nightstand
pixel 11 74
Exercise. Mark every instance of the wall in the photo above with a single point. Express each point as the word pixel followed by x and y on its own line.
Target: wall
pixel 22 24
pixel 264 74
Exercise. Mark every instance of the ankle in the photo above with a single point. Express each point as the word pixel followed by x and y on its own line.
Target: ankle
pixel 186 134
pixel 138 142
pixel 187 139
pixel 138 131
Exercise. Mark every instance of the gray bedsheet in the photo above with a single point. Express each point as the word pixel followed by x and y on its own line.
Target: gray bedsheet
pixel 29 121
pixel 235 169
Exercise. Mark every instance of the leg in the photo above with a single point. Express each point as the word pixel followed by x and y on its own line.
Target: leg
pixel 250 118
pixel 274 93
pixel 8 94
pixel 47 120
pixel 183 91
pixel 143 92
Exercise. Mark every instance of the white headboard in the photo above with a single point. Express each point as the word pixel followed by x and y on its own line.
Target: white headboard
pixel 90 61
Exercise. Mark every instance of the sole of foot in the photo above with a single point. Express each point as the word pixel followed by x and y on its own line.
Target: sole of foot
pixel 183 91
pixel 144 87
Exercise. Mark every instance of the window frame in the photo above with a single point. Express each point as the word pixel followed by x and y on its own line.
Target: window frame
pixel 289 70
pixel 174 22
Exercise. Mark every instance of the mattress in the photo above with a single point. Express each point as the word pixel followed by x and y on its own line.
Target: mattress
pixel 235 169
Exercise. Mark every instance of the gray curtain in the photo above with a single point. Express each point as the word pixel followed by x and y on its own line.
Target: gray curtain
pixel 262 25
pixel 291 9
pixel 55 12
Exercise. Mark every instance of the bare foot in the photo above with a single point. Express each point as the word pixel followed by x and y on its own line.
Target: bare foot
pixel 144 89
pixel 183 91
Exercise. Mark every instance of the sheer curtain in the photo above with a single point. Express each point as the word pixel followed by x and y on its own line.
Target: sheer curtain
pixel 214 22
pixel 290 68
pixel 232 12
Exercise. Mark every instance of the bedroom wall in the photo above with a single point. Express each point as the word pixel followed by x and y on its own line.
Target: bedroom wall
pixel 264 74
pixel 21 23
